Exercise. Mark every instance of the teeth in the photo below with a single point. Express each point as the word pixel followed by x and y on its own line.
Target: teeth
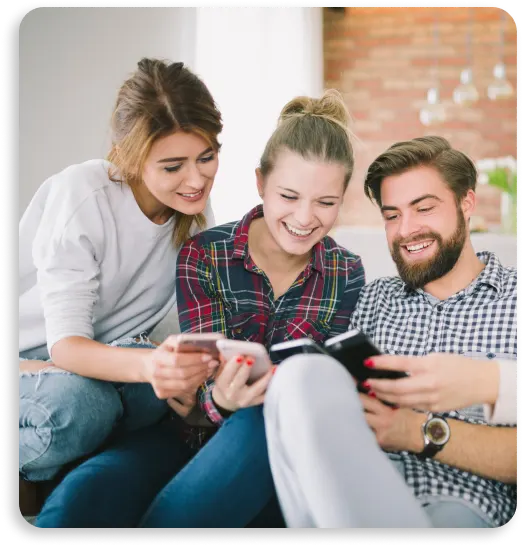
pixel 296 231
pixel 419 246
pixel 192 195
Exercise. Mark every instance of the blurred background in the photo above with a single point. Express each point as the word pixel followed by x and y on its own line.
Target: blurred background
pixel 404 72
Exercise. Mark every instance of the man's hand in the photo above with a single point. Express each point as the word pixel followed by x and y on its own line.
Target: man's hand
pixel 395 429
pixel 437 382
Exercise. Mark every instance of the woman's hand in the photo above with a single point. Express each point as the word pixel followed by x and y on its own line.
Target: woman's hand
pixel 174 373
pixel 437 382
pixel 231 390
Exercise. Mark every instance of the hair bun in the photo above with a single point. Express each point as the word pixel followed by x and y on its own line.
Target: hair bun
pixel 330 106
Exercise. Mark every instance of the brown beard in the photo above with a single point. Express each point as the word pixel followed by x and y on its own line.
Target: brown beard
pixel 448 252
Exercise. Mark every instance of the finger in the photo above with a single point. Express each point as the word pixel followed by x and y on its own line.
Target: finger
pixel 239 381
pixel 180 409
pixel 418 385
pixel 404 363
pixel 229 370
pixel 371 404
pixel 258 388
pixel 181 360
pixel 175 373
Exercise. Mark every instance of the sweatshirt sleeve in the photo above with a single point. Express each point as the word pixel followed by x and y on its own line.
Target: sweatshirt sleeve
pixel 67 250
pixel 505 409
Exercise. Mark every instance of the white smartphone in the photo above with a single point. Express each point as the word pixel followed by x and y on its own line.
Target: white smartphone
pixel 231 348
pixel 200 341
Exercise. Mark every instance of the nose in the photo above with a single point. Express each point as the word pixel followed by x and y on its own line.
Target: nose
pixel 408 226
pixel 195 178
pixel 304 213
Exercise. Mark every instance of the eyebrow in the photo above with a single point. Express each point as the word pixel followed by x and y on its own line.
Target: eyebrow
pixel 295 192
pixel 169 160
pixel 411 203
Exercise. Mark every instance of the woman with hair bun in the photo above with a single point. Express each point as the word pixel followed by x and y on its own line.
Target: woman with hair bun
pixel 272 276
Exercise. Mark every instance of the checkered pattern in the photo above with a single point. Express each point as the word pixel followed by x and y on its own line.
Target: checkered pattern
pixel 480 322
pixel 221 289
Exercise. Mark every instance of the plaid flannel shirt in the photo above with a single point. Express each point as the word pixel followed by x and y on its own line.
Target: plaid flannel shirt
pixel 221 289
pixel 479 322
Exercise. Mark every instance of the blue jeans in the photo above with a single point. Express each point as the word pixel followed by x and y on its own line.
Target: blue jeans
pixel 151 479
pixel 63 416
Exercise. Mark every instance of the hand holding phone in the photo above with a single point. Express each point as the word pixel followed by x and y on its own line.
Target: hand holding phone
pixel 351 349
pixel 231 348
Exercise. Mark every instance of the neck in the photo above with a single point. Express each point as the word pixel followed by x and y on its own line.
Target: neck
pixel 465 271
pixel 265 250
pixel 155 211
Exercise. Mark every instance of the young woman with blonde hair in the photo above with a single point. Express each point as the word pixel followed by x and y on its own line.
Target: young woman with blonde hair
pixel 274 275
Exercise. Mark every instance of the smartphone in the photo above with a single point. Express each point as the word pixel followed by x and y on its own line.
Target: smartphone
pixel 232 348
pixel 279 352
pixel 351 349
pixel 200 341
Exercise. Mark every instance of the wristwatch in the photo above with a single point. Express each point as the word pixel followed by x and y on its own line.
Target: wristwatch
pixel 436 433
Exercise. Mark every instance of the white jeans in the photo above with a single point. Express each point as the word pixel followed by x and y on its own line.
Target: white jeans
pixel 328 468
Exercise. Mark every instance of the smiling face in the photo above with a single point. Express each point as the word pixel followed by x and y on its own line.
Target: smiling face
pixel 425 228
pixel 179 172
pixel 302 199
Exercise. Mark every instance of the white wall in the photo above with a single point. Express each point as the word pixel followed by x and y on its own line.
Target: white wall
pixel 254 61
pixel 72 62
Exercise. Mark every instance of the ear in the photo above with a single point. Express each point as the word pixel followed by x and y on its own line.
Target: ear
pixel 469 202
pixel 260 182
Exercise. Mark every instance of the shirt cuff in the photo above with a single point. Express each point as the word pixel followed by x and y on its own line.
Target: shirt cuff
pixel 505 409
pixel 207 405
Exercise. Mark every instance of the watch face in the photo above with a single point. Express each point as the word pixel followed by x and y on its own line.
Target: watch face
pixel 437 431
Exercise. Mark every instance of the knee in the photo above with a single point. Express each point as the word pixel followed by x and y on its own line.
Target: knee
pixel 67 405
pixel 302 374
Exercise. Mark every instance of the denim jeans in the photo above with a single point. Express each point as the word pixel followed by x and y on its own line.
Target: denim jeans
pixel 151 479
pixel 63 416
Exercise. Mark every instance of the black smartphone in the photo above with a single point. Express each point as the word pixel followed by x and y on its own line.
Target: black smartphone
pixel 351 349
pixel 279 352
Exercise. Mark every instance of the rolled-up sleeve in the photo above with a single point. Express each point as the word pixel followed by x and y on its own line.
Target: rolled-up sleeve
pixel 66 253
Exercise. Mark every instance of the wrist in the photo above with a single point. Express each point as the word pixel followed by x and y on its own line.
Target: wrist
pixel 220 401
pixel 417 436
pixel 144 368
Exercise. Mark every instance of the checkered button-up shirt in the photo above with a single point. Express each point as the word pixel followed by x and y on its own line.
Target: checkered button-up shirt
pixel 221 289
pixel 479 322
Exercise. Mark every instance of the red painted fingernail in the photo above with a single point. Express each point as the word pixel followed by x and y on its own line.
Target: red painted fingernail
pixel 369 363
pixel 366 385
pixel 274 370
pixel 240 359
pixel 372 394
pixel 249 362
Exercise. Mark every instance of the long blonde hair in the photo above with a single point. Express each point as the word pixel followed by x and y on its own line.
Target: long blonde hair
pixel 158 99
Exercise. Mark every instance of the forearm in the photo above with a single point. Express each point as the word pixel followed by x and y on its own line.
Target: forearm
pixel 92 359
pixel 483 450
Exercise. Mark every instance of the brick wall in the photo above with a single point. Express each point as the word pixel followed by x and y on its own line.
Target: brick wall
pixel 382 60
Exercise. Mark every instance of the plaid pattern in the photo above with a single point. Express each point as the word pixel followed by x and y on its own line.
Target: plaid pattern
pixel 480 322
pixel 221 289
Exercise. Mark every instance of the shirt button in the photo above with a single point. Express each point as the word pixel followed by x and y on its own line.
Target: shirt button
pixel 491 355
pixel 310 336
pixel 440 308
pixel 238 330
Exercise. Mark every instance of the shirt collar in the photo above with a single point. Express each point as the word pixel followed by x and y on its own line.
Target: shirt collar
pixel 492 275
pixel 240 246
